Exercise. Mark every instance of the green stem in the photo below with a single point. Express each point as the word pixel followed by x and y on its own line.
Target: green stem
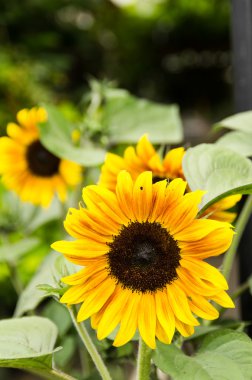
pixel 240 225
pixel 83 334
pixel 143 361
pixel 240 290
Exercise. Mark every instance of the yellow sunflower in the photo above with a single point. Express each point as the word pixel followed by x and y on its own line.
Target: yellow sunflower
pixel 144 157
pixel 142 250
pixel 28 168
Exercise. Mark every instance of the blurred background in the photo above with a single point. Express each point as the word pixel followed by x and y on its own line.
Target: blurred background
pixel 171 51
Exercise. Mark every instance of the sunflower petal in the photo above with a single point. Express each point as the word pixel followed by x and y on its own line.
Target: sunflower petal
pixel 195 284
pixel 145 149
pixel 124 192
pixel 84 274
pixel 199 228
pixel 128 323
pixel 161 334
pixel 113 313
pixel 184 329
pixel 201 307
pixel 159 200
pixel 179 304
pixel 96 299
pixel 184 212
pixel 93 282
pixel 204 271
pixel 223 299
pixel 147 319
pixel 173 162
pixel 214 244
pixel 165 314
pixel 98 197
pixel 142 196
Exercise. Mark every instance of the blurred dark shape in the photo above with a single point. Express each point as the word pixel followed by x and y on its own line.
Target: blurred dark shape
pixel 178 53
pixel 242 63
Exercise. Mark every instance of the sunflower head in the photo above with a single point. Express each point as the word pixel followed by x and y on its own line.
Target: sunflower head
pixel 28 168
pixel 143 253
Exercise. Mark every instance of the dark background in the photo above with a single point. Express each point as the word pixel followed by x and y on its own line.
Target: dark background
pixel 164 50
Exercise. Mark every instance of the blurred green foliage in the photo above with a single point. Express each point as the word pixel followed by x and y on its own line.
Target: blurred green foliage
pixel 155 49
pixel 163 50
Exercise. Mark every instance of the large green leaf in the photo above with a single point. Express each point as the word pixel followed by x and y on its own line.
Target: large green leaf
pixel 56 137
pixel 224 355
pixel 202 330
pixel 11 252
pixel 127 118
pixel 27 342
pixel 238 141
pixel 241 122
pixel 219 171
pixel 49 274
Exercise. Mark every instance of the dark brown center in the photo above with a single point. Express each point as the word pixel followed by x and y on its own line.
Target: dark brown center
pixel 143 257
pixel 40 161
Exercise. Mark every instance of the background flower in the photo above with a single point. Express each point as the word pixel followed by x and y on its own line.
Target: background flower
pixel 28 168
pixel 145 157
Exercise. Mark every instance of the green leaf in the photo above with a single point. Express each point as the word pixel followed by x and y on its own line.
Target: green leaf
pixel 63 356
pixel 174 362
pixel 59 314
pixel 214 340
pixel 56 137
pixel 234 345
pixel 224 355
pixel 202 330
pixel 50 273
pixel 127 118
pixel 240 142
pixel 240 122
pixel 219 171
pixel 27 343
pixel 11 252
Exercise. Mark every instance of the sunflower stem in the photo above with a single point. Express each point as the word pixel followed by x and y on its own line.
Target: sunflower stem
pixel 143 361
pixel 240 225
pixel 83 334
pixel 240 290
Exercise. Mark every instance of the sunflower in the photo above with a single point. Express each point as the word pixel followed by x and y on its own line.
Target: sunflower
pixel 139 159
pixel 28 168
pixel 144 157
pixel 142 250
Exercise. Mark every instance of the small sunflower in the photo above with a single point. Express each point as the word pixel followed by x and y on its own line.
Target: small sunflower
pixel 144 157
pixel 139 159
pixel 28 168
pixel 142 250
